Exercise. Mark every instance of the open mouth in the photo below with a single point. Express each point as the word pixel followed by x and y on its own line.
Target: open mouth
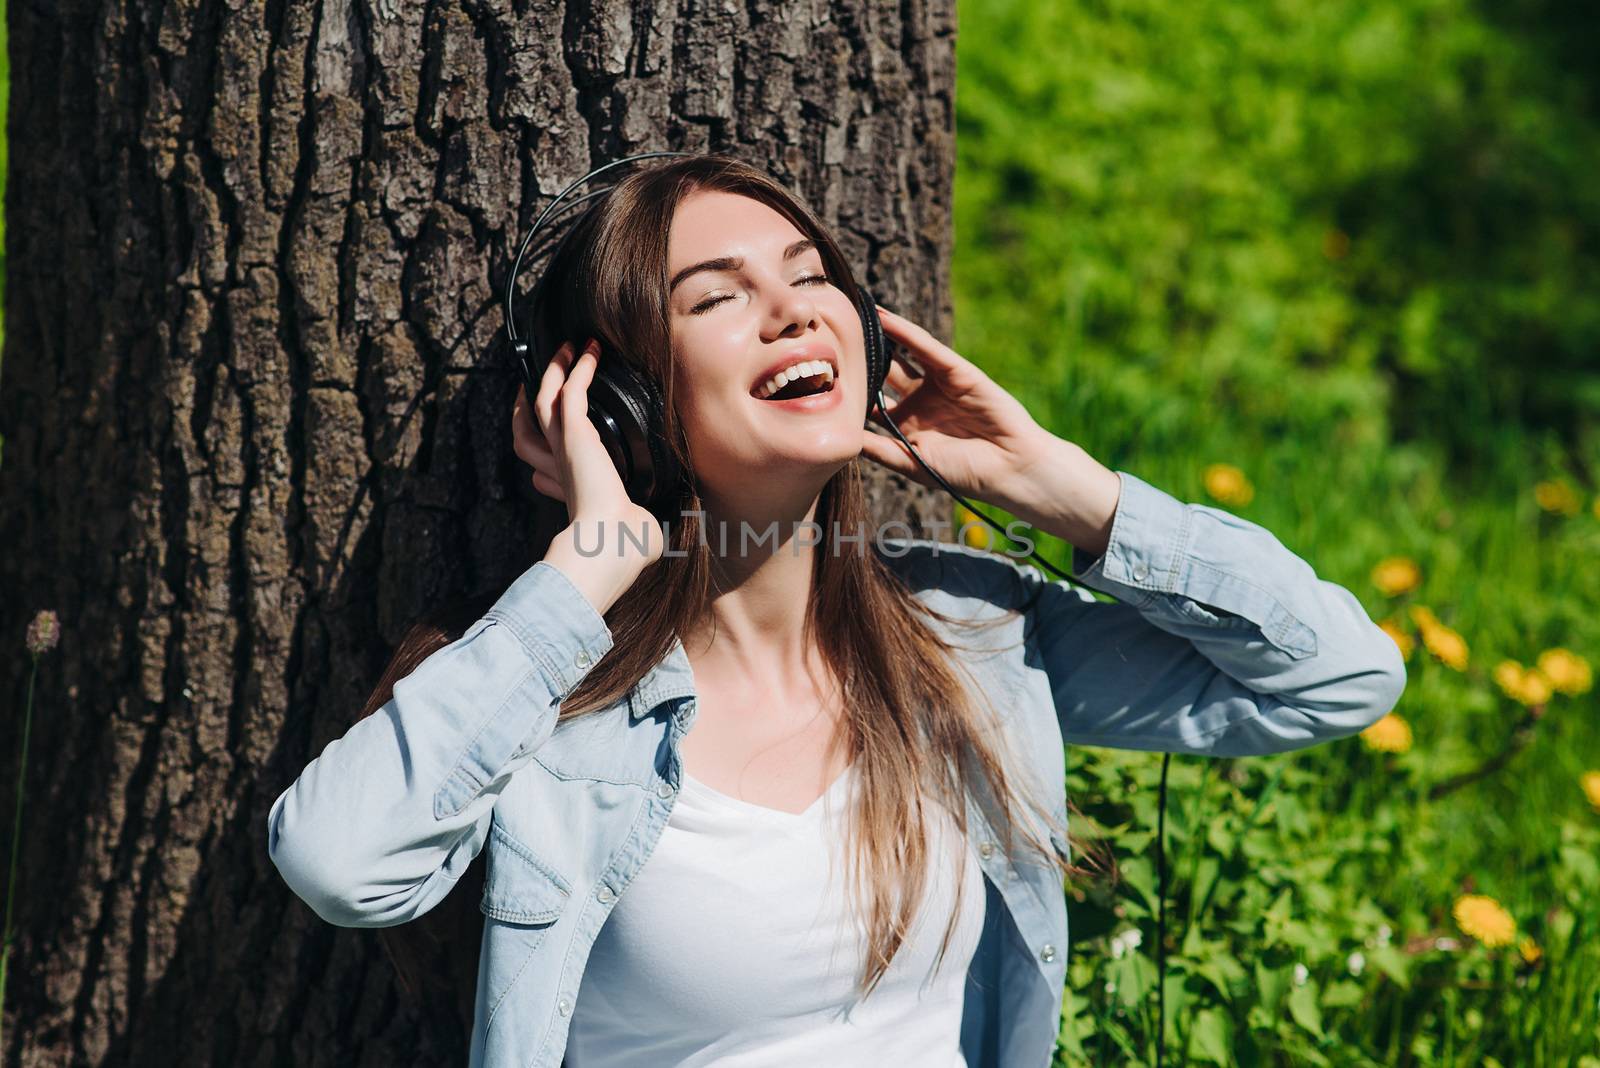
pixel 801 380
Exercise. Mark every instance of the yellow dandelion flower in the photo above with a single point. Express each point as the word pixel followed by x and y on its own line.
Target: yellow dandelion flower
pixel 1422 616
pixel 1568 672
pixel 1401 638
pixel 1535 689
pixel 1590 781
pixel 972 529
pixel 1395 575
pixel 1447 645
pixel 1508 676
pixel 1530 950
pixel 1558 497
pixel 1391 734
pixel 1228 484
pixel 1483 918
pixel 1528 686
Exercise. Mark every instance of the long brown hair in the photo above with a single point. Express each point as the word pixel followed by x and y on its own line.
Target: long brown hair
pixel 913 723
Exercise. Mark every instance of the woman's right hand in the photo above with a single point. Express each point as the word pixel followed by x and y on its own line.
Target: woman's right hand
pixel 571 464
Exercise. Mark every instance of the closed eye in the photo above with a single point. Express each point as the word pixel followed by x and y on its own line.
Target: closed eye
pixel 712 302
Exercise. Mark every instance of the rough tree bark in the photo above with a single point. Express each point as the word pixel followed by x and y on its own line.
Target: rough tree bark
pixel 254 423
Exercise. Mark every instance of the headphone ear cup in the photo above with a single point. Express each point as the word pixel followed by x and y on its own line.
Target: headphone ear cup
pixel 876 345
pixel 637 433
pixel 612 416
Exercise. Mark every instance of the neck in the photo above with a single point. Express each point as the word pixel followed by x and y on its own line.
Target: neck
pixel 762 557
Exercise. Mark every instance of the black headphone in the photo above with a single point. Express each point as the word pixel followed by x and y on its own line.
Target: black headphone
pixel 627 407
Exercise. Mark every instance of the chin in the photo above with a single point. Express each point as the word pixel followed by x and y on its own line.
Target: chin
pixel 838 450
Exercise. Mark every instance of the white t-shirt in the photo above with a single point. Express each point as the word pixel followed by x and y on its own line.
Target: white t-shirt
pixel 736 945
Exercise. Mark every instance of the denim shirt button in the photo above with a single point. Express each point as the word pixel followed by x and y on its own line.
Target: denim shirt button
pixel 986 850
pixel 663 789
pixel 606 895
pixel 1047 953
pixel 582 659
pixel 1140 572
pixel 564 1005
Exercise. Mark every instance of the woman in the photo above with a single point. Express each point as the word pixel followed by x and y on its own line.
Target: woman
pixel 772 802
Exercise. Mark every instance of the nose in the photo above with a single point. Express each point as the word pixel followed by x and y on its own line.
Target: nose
pixel 793 311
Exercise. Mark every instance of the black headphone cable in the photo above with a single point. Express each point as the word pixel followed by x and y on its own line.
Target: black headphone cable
pixel 1166 759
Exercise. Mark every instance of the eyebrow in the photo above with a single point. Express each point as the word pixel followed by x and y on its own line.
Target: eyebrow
pixel 733 263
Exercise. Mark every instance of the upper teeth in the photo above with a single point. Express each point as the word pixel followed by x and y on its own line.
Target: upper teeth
pixel 803 369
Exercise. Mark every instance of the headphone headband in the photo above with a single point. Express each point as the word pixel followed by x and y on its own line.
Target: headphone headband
pixel 516 264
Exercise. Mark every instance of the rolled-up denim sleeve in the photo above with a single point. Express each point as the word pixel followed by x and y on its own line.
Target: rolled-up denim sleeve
pixel 1222 641
pixel 379 826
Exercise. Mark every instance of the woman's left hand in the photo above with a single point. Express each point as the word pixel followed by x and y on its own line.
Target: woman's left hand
pixel 983 442
pixel 978 437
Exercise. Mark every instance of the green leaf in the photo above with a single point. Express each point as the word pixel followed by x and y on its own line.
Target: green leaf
pixel 1140 876
pixel 1272 983
pixel 1276 917
pixel 1213 1037
pixel 1135 976
pixel 1077 1021
pixel 1582 863
pixel 1342 994
pixel 1303 1007
pixel 1393 963
pixel 1205 877
pixel 1137 842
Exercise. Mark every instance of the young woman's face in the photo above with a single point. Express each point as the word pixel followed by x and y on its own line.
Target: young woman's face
pixel 735 325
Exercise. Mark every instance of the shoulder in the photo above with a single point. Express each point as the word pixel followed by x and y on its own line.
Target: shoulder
pixel 953 570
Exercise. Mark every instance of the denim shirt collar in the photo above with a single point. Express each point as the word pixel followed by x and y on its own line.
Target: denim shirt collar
pixel 672 678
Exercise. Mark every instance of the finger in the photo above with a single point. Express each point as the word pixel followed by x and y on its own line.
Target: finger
pixel 548 486
pixel 933 353
pixel 574 397
pixel 526 440
pixel 883 419
pixel 555 373
pixel 900 380
pixel 575 421
pixel 897 410
pixel 537 455
pixel 888 451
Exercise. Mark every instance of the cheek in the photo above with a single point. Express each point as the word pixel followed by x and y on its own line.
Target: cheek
pixel 710 350
pixel 704 396
pixel 708 378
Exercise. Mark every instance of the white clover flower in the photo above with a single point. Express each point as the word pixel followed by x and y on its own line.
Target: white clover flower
pixel 1383 934
pixel 1123 943
pixel 1357 961
pixel 1446 944
pixel 1301 974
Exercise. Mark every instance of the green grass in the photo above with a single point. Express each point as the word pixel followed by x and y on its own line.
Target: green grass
pixel 1349 249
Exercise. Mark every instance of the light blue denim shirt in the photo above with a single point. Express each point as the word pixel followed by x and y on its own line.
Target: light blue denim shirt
pixel 1222 642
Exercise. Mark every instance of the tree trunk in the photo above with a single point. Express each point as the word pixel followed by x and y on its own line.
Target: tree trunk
pixel 255 421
